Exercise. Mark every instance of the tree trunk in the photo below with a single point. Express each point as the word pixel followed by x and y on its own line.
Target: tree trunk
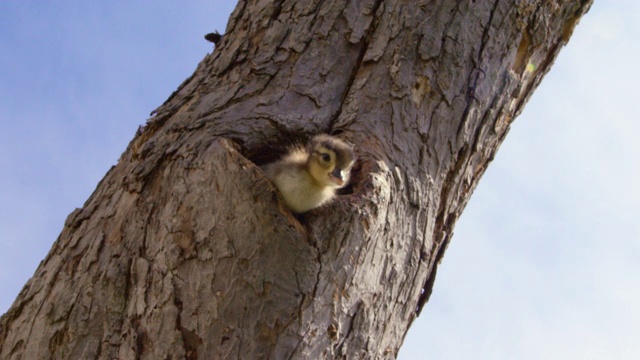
pixel 185 249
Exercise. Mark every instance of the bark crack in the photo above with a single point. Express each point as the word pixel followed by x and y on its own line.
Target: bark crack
pixel 477 73
pixel 48 290
pixel 443 225
pixel 190 339
pixel 350 329
pixel 364 46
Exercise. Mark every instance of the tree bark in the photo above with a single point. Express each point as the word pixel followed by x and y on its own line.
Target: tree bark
pixel 185 249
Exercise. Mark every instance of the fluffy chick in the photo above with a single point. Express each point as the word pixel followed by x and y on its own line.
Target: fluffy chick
pixel 308 177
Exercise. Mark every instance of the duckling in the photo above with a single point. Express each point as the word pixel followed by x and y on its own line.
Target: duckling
pixel 308 177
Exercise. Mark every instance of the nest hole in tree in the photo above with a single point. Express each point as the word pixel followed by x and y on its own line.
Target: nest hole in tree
pixel 275 148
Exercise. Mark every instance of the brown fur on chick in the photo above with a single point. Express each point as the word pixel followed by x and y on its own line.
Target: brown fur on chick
pixel 308 177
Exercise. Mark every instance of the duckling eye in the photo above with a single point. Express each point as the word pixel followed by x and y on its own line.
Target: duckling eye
pixel 325 157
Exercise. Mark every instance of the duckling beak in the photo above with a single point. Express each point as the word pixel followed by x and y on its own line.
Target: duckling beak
pixel 337 176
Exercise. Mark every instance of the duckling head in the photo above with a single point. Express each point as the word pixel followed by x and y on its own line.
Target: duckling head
pixel 330 161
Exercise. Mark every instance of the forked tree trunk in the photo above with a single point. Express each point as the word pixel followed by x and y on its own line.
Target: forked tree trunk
pixel 185 250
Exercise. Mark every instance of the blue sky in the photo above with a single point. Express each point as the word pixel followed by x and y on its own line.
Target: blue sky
pixel 545 260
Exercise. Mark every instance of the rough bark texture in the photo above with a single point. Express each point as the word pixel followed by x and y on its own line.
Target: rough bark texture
pixel 184 250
